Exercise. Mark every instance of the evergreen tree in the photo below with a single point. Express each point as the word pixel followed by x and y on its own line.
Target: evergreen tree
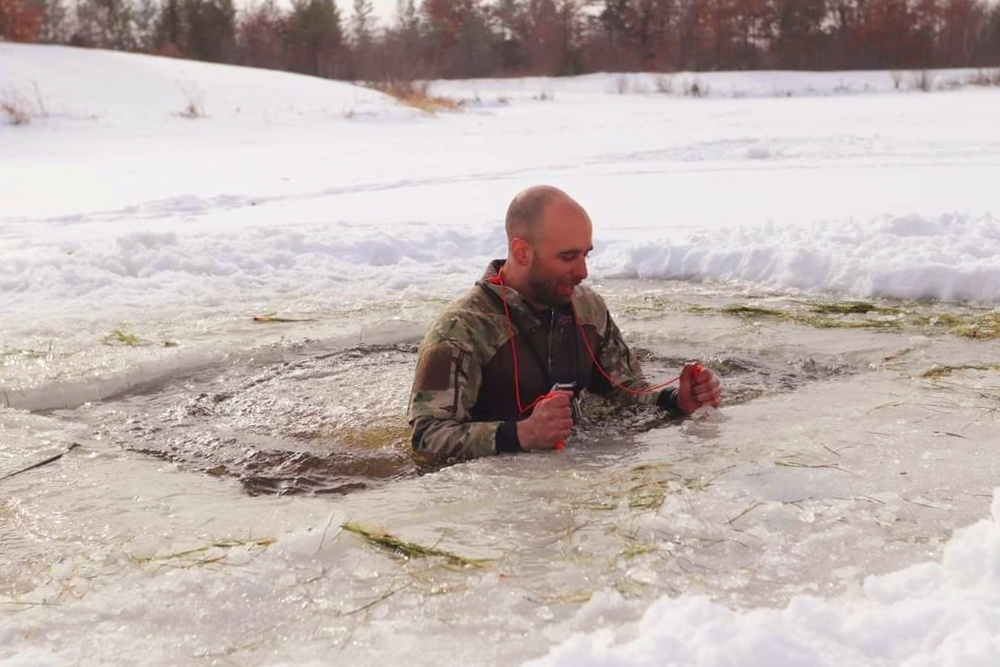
pixel 988 51
pixel 797 29
pixel 511 36
pixel 170 35
pixel 211 30
pixel 315 37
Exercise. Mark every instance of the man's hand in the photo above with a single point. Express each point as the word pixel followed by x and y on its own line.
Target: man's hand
pixel 698 387
pixel 550 422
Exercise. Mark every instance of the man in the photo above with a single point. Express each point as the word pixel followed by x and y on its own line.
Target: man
pixel 487 366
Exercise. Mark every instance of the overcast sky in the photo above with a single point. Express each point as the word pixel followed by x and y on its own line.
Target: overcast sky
pixel 386 9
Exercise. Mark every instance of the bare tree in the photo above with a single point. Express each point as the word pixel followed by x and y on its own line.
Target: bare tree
pixel 104 23
pixel 469 38
pixel 261 36
pixel 458 41
pixel 144 17
pixel 19 21
pixel 958 36
pixel 55 25
pixel 362 50
pixel 362 21
pixel 798 36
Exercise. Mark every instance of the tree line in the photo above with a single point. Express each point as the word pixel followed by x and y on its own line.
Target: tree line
pixel 479 38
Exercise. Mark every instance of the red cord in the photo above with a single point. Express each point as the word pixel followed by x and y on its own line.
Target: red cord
pixel 498 280
pixel 597 364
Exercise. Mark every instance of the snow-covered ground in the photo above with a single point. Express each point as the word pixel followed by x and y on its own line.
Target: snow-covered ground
pixel 173 201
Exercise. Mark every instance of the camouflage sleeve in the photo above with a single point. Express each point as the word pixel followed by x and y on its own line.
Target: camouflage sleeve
pixel 445 388
pixel 621 364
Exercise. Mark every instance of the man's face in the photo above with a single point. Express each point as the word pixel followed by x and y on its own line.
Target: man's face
pixel 559 254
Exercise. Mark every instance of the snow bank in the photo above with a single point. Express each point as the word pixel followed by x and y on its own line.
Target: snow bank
pixel 107 87
pixel 927 615
pixel 951 257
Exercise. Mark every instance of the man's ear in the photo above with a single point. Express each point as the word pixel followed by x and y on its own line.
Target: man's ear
pixel 520 251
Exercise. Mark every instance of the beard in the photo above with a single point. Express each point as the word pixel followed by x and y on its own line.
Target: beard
pixel 547 290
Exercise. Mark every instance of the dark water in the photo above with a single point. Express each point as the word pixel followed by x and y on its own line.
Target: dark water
pixel 301 417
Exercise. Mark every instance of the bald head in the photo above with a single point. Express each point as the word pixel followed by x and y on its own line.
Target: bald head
pixel 527 211
pixel 549 236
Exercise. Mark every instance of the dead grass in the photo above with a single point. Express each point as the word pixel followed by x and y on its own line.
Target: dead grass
pixel 20 108
pixel 644 487
pixel 976 324
pixel 985 77
pixel 664 84
pixel 633 546
pixel 828 317
pixel 191 112
pixel 408 550
pixel 922 80
pixel 572 597
pixel 119 337
pixel 964 321
pixel 122 338
pixel 274 318
pixel 215 552
pixel 647 304
pixel 812 466
pixel 416 94
pixel 194 101
pixel 845 308
pixel 11 356
pixel 940 370
pixel 695 88
pixel 16 114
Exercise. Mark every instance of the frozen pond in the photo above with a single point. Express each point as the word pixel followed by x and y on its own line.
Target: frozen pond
pixel 843 452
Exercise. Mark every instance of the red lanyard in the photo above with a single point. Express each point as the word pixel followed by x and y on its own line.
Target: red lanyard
pixel 498 280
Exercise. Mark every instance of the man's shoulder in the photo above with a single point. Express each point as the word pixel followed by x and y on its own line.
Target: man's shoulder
pixel 471 318
pixel 590 307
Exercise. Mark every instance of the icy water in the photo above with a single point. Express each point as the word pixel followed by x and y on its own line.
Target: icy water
pixel 218 465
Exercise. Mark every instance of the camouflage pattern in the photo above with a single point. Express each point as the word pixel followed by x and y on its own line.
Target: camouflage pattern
pixel 474 332
pixel 449 373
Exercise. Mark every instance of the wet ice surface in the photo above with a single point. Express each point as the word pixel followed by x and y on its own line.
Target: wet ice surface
pixel 836 457
pixel 296 418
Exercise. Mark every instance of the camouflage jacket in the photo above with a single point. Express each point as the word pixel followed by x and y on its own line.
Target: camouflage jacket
pixel 463 402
